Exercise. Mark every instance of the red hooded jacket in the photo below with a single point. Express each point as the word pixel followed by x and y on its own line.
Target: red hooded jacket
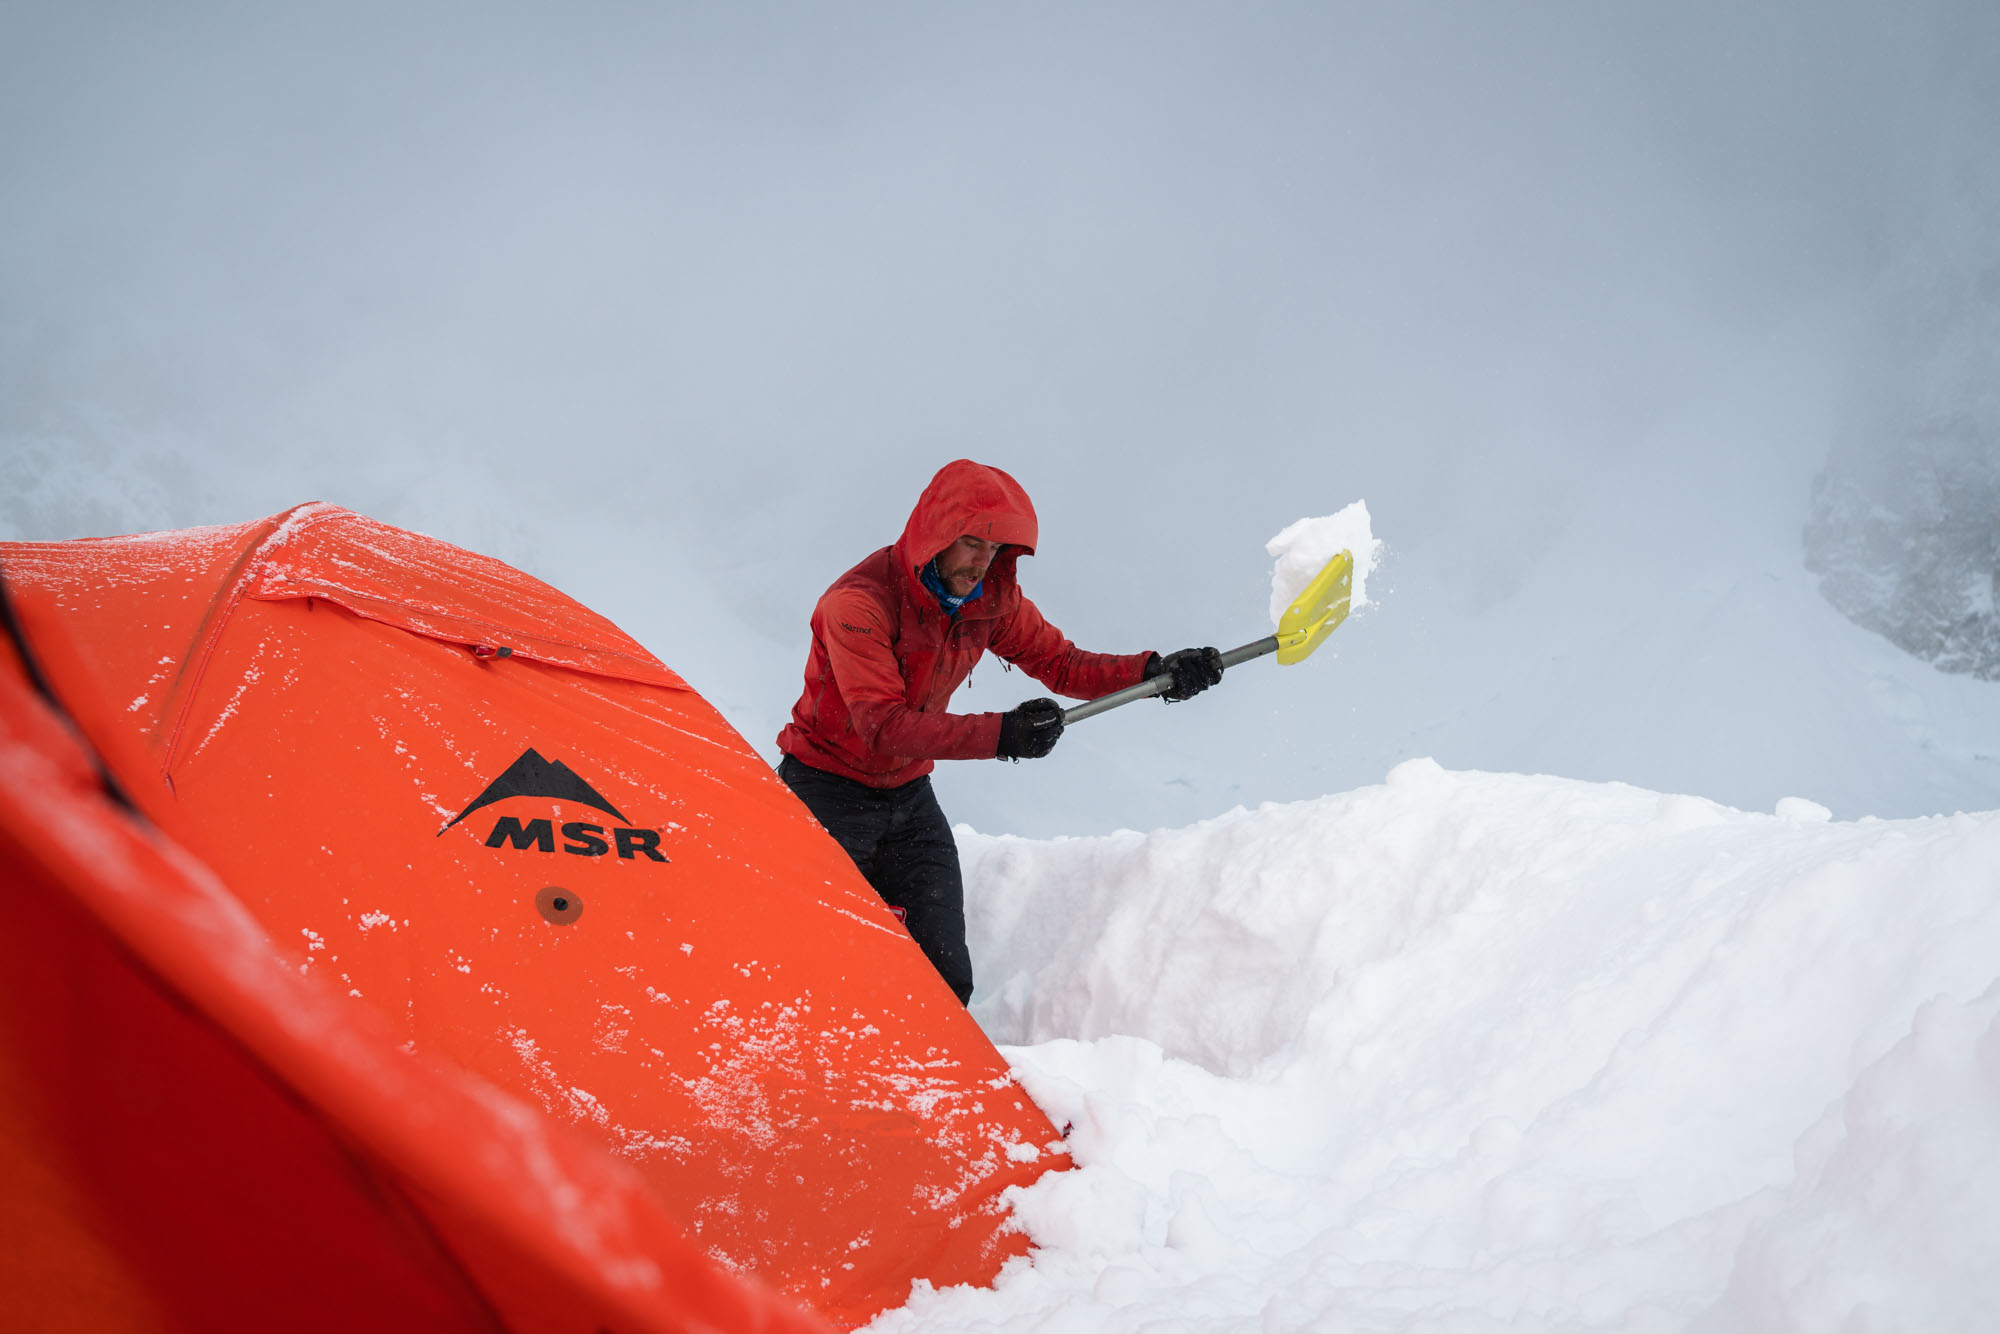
pixel 886 658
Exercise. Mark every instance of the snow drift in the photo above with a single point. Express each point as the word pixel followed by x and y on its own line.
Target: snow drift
pixel 1476 1051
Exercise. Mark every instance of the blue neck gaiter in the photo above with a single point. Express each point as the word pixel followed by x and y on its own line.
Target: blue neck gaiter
pixel 934 581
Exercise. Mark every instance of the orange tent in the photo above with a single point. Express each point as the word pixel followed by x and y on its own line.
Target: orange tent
pixel 483 812
pixel 194 1138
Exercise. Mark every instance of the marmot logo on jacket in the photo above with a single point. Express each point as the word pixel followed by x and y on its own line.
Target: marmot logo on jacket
pixel 533 776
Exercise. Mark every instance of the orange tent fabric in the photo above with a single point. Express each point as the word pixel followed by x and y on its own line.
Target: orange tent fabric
pixel 195 1138
pixel 480 810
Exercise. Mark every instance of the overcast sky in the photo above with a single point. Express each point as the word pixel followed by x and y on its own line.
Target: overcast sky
pixel 679 306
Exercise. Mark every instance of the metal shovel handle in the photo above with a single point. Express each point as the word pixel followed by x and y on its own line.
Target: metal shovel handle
pixel 1319 607
pixel 1161 684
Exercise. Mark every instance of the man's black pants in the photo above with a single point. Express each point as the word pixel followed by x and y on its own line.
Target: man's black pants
pixel 902 844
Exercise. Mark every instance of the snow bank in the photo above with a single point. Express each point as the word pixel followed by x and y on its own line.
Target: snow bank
pixel 1303 548
pixel 1479 1052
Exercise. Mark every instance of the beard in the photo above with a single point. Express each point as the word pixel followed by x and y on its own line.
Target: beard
pixel 968 575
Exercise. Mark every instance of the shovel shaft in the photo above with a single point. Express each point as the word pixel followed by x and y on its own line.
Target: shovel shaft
pixel 1162 683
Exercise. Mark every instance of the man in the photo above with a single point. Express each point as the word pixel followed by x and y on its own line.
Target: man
pixel 891 640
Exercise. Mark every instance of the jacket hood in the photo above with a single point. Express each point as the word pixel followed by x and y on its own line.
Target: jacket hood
pixel 967 497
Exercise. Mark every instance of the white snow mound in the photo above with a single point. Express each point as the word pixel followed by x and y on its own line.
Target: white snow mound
pixel 1475 1052
pixel 1303 548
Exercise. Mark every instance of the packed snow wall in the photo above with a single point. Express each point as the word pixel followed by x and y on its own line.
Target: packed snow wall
pixel 1484 1052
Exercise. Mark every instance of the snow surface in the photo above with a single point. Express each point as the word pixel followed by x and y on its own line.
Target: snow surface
pixel 1467 1051
pixel 1303 548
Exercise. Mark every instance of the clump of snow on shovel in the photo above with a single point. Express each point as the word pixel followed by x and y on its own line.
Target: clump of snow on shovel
pixel 1303 549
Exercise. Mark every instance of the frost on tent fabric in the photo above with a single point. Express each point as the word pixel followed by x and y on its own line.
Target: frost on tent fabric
pixel 558 868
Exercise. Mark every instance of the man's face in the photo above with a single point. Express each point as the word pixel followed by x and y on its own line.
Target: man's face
pixel 964 563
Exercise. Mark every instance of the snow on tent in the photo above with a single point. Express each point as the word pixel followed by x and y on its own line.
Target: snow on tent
pixel 193 1137
pixel 485 814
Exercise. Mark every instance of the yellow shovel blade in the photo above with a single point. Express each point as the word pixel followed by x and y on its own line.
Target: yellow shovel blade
pixel 1315 612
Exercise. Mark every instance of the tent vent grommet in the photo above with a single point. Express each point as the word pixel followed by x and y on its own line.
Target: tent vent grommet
pixel 560 906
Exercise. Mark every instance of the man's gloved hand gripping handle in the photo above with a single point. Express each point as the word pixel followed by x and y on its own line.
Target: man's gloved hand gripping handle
pixel 1030 731
pixel 1193 669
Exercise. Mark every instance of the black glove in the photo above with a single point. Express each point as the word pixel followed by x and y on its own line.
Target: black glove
pixel 1194 670
pixel 1029 731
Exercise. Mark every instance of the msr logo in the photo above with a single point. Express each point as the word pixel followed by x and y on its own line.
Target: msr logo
pixel 584 840
pixel 533 776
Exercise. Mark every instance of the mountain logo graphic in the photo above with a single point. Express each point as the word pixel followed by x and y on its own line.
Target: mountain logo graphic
pixel 533 776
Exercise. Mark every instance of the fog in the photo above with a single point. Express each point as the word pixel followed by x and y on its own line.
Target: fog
pixel 679 307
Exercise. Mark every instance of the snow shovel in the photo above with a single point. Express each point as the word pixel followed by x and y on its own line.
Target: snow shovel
pixel 1311 618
